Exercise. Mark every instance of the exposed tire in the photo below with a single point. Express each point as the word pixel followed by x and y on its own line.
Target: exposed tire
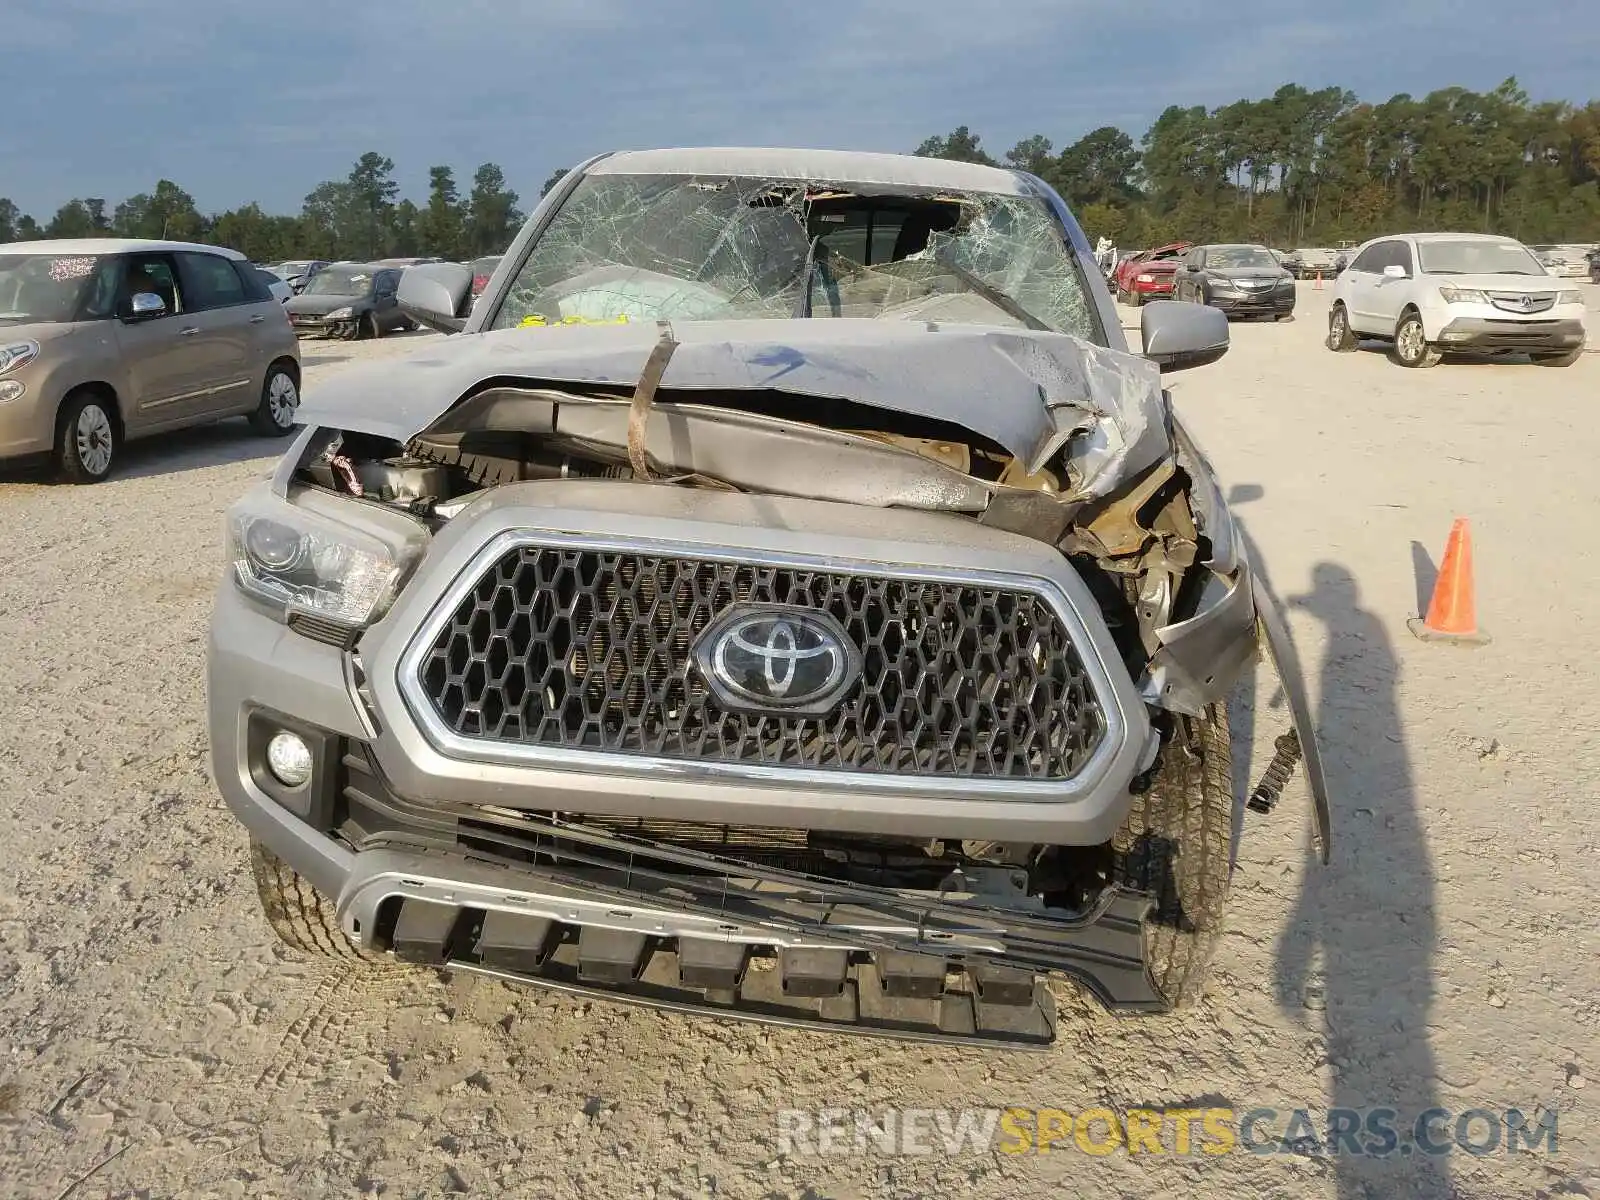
pixel 1340 336
pixel 301 916
pixel 88 437
pixel 280 403
pixel 1411 348
pixel 1557 360
pixel 1177 845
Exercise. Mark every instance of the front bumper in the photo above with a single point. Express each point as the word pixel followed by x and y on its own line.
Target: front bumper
pixel 310 326
pixel 1485 333
pixel 496 873
pixel 1275 301
pixel 545 899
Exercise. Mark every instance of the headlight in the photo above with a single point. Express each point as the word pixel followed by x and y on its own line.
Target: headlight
pixel 341 560
pixel 17 354
pixel 1570 296
pixel 341 314
pixel 1455 295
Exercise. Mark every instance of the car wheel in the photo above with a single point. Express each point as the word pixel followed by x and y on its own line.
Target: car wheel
pixel 1565 359
pixel 1411 343
pixel 1122 296
pixel 1340 336
pixel 1177 845
pixel 370 328
pixel 87 438
pixel 280 403
pixel 302 917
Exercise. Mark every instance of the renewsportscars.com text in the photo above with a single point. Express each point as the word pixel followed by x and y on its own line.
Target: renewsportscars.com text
pixel 1377 1132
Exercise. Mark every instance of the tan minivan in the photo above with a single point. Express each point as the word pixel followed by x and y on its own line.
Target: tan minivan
pixel 105 339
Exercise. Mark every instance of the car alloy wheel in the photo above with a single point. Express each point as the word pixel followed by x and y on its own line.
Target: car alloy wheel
pixel 94 439
pixel 1411 343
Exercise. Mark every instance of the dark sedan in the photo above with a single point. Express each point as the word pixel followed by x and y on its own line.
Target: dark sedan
pixel 349 300
pixel 1239 279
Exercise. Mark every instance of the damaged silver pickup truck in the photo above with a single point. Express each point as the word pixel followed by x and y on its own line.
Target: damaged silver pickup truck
pixel 784 596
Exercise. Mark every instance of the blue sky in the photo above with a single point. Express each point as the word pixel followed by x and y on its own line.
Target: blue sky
pixel 241 100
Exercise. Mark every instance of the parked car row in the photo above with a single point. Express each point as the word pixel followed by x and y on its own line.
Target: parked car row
pixel 1424 293
pixel 297 272
pixel 1569 261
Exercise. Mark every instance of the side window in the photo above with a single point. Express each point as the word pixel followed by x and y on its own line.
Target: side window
pixel 1402 255
pixel 153 273
pixel 101 302
pixel 1367 260
pixel 213 283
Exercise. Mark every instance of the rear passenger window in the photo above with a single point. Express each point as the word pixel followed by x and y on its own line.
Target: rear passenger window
pixel 1369 260
pixel 213 283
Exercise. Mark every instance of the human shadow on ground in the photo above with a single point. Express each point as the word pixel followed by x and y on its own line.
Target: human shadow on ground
pixel 1356 957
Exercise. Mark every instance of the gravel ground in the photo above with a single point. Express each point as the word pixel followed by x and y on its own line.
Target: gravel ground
pixel 155 1034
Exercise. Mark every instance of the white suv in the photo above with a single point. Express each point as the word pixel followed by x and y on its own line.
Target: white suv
pixel 1432 292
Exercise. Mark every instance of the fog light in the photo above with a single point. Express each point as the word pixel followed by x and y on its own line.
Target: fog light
pixel 289 759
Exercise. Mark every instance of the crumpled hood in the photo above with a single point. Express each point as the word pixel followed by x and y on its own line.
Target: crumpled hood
pixel 1030 392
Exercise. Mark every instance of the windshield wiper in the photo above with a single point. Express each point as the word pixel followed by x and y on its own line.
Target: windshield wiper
pixel 992 294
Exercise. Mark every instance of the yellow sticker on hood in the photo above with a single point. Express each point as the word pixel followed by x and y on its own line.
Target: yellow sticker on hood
pixel 535 321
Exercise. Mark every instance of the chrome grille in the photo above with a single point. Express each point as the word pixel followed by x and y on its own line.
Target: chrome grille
pixel 1522 302
pixel 585 649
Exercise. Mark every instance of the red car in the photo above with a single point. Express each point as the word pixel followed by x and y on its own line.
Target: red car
pixel 1148 276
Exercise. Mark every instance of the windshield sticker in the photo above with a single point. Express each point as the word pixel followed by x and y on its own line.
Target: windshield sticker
pixel 63 269
pixel 537 321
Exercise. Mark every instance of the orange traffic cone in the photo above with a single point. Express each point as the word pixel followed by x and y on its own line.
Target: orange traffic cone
pixel 1318 288
pixel 1452 611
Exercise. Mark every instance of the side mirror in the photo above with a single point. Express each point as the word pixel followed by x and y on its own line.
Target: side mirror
pixel 1394 271
pixel 433 293
pixel 1178 336
pixel 146 306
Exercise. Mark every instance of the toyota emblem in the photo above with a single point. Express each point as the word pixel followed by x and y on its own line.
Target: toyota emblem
pixel 783 660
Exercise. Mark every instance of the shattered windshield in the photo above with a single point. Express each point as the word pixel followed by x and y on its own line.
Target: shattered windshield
pixel 672 247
